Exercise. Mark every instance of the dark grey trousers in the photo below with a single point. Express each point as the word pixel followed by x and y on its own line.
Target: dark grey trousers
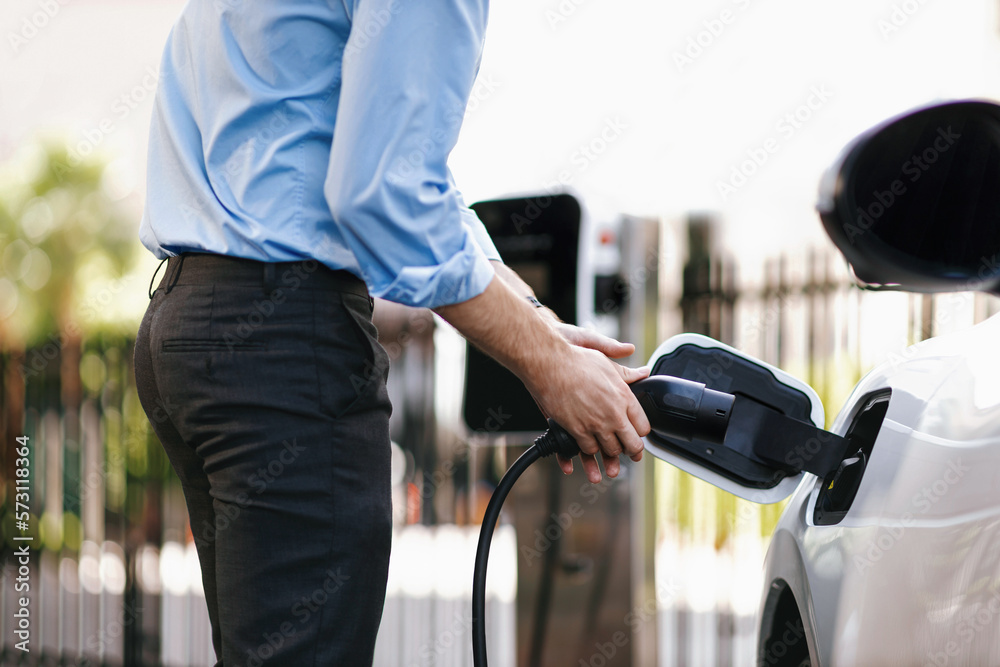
pixel 265 384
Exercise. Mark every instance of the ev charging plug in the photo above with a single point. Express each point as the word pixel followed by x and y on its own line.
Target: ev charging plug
pixel 675 407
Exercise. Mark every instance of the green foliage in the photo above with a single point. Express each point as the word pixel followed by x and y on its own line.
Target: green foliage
pixel 60 231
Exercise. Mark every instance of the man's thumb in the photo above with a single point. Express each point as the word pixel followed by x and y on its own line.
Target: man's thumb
pixel 631 375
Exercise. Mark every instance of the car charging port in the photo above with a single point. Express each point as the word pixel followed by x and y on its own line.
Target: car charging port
pixel 840 487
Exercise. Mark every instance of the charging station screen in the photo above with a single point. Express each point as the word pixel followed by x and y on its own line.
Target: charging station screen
pixel 539 238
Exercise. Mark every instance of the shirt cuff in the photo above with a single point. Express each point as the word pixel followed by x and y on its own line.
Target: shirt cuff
pixel 480 235
pixel 465 275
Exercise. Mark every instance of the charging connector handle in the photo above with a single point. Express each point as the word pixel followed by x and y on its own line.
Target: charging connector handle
pixel 683 409
pixel 675 407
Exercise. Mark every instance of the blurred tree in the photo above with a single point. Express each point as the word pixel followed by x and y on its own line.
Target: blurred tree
pixel 60 231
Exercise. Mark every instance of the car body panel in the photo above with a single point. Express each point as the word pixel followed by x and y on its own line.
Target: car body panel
pixel 911 575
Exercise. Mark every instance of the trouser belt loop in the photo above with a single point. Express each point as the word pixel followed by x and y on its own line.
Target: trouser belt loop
pixel 175 274
pixel 152 280
pixel 269 272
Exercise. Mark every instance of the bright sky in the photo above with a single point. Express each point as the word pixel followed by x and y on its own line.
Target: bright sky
pixel 690 118
pixel 670 96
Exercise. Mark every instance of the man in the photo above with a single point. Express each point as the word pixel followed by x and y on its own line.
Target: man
pixel 297 160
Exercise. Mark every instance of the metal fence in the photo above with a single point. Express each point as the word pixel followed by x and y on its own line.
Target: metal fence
pixel 802 313
pixel 114 574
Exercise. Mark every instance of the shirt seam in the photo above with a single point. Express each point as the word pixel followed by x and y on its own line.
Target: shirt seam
pixel 300 187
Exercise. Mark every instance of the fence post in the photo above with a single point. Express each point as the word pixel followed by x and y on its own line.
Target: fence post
pixel 708 293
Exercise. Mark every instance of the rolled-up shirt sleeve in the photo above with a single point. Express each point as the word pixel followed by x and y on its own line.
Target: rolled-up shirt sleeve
pixel 408 70
pixel 477 228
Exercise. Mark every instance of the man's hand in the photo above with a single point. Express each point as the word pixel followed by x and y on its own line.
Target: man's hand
pixel 584 338
pixel 595 398
pixel 565 370
pixel 592 340
pixel 612 349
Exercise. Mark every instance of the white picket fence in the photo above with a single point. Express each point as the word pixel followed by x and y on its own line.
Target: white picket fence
pixel 705 604
pixel 427 619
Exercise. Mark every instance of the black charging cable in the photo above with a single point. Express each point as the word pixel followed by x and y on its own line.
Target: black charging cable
pixel 675 407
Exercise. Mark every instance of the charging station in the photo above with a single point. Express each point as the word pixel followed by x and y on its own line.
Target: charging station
pixel 573 536
pixel 573 262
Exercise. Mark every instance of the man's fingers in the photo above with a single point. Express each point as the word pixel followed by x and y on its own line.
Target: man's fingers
pixel 587 444
pixel 590 468
pixel 607 346
pixel 601 430
pixel 639 420
pixel 610 450
pixel 631 438
pixel 612 465
pixel 631 375
pixel 609 444
pixel 565 464
pixel 631 442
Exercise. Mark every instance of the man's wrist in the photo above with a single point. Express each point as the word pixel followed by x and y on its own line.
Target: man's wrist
pixel 544 310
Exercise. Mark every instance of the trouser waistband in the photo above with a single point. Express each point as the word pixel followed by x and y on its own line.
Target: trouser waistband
pixel 192 268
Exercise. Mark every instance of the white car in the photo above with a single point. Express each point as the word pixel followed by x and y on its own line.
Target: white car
pixel 909 572
pixel 888 553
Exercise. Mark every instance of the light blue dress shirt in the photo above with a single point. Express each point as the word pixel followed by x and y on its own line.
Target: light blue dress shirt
pixel 321 129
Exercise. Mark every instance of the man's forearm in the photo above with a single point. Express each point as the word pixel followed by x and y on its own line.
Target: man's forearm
pixel 514 281
pixel 521 288
pixel 507 327
pixel 572 381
